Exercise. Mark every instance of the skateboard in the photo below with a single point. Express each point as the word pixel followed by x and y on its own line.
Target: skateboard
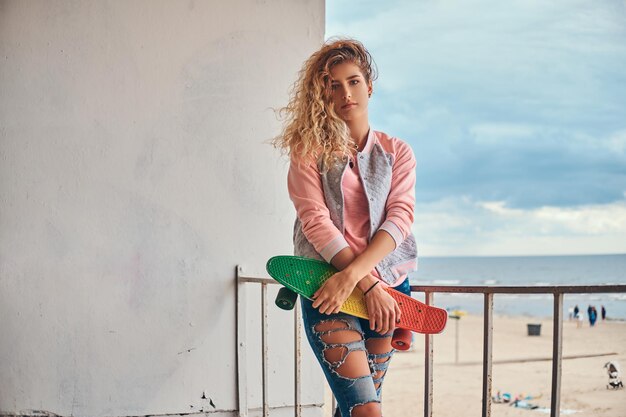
pixel 304 276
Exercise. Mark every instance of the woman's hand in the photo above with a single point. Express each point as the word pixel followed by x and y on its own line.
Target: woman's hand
pixel 383 310
pixel 329 298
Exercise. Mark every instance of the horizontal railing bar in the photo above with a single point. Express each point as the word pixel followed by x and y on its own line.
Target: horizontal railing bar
pixel 551 289
pixel 519 360
pixel 524 360
pixel 258 280
pixel 496 289
pixel 279 407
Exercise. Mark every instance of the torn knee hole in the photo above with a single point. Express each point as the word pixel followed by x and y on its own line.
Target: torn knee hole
pixel 342 336
pixel 351 364
pixel 379 368
pixel 335 355
pixel 337 331
pixel 354 365
pixel 379 375
pixel 327 325
pixel 370 409
pixel 379 345
pixel 378 379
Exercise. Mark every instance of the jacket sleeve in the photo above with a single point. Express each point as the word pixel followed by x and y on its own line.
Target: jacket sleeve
pixel 400 204
pixel 305 190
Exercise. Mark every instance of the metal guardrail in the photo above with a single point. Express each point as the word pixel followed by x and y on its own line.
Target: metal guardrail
pixel 488 291
pixel 241 348
pixel 558 292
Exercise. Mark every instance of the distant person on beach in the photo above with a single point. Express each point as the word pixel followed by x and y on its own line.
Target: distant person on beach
pixel 353 189
pixel 603 311
pixel 581 319
pixel 570 313
pixel 593 315
pixel 576 311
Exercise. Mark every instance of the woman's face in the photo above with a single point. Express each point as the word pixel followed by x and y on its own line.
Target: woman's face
pixel 350 91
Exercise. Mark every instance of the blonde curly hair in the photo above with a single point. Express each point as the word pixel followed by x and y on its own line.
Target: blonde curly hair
pixel 312 130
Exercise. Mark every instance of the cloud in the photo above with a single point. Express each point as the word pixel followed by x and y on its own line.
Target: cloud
pixel 584 221
pixel 518 101
pixel 617 142
pixel 496 133
pixel 515 106
pixel 461 226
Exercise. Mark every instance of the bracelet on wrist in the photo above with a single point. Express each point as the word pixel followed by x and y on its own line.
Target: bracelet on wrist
pixel 372 287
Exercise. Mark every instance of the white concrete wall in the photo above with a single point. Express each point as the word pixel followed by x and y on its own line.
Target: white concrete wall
pixel 133 179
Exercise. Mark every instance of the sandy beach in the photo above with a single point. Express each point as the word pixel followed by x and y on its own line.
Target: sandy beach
pixel 521 365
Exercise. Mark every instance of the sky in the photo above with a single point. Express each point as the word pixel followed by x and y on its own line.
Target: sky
pixel 516 112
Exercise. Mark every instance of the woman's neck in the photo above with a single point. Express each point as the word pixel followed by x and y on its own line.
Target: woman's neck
pixel 359 132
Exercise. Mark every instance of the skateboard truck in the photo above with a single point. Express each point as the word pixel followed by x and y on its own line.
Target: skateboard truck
pixel 286 299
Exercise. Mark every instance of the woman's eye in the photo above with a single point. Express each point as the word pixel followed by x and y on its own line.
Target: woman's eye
pixel 354 82
pixel 334 87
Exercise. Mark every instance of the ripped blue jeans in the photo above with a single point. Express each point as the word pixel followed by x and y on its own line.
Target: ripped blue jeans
pixel 322 330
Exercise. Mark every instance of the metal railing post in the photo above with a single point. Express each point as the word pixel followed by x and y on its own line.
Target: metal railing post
pixel 487 353
pixel 428 365
pixel 456 340
pixel 298 360
pixel 264 352
pixel 242 377
pixel 557 355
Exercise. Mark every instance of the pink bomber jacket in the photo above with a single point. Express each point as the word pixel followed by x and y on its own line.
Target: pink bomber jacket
pixel 387 170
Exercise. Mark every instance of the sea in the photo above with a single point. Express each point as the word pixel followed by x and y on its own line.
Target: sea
pixel 525 271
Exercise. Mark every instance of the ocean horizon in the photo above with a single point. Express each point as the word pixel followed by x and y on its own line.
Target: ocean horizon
pixel 536 270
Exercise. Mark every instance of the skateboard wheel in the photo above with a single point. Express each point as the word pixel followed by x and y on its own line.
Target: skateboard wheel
pixel 286 299
pixel 401 339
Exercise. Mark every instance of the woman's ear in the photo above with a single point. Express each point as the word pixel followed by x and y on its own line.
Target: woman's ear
pixel 370 90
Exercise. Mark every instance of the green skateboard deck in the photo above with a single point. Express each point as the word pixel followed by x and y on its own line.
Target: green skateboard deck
pixel 304 276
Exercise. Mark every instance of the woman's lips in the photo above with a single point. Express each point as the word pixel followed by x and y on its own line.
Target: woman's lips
pixel 348 106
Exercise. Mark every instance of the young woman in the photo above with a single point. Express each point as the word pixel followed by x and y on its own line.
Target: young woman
pixel 353 189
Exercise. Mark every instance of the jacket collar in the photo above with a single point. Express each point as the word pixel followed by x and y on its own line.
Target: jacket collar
pixel 369 142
